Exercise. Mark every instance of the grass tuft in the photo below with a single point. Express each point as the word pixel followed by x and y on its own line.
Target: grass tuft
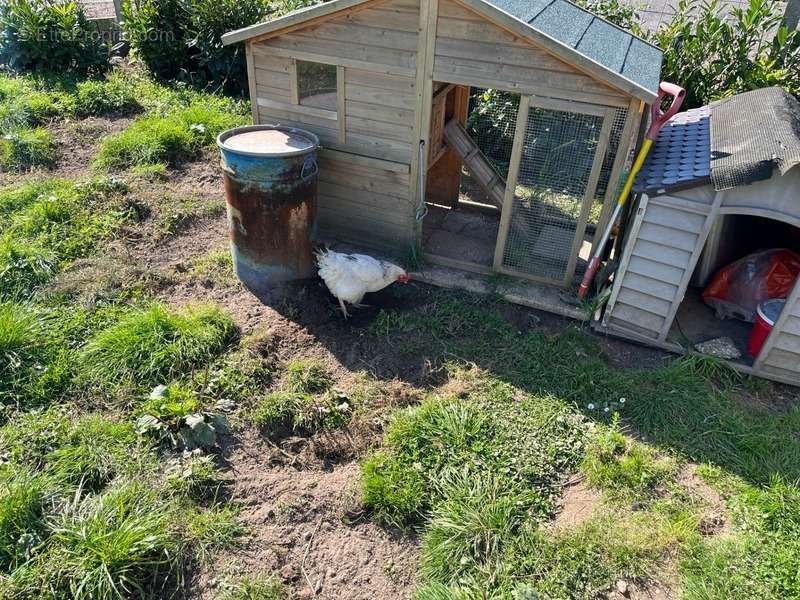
pixel 180 135
pixel 154 344
pixel 26 148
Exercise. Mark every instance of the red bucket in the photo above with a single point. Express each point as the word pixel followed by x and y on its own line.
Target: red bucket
pixel 766 315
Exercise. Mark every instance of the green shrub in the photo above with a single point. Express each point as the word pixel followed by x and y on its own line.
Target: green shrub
pixel 189 45
pixel 23 498
pixel 155 344
pixel 714 56
pixel 169 139
pixel 50 36
pixel 26 148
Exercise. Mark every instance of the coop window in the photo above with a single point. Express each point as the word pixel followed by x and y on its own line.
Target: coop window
pixel 317 85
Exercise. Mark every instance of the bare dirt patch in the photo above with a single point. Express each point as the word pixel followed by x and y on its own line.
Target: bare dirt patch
pixel 715 520
pixel 306 526
pixel 578 503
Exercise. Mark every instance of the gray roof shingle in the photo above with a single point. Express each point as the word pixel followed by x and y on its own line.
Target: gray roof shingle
pixel 614 48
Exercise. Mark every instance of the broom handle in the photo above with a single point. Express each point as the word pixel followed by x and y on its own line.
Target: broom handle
pixel 658 118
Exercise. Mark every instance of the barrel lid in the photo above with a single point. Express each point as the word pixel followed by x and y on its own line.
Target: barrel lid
pixel 770 310
pixel 268 141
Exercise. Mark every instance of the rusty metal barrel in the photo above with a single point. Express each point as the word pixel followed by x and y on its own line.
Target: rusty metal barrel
pixel 270 177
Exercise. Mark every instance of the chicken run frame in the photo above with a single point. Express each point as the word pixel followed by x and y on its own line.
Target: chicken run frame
pixel 395 90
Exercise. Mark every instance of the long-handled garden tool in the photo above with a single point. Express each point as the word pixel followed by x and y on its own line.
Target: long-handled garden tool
pixel 658 117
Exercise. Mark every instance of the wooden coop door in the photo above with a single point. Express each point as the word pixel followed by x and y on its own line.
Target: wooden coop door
pixel 558 153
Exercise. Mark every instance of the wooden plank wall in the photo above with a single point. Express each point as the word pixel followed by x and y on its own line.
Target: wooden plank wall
pixel 655 268
pixel 361 200
pixel 473 51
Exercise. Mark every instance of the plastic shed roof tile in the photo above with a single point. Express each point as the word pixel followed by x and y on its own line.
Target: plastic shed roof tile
pixel 681 156
pixel 563 21
pixel 605 44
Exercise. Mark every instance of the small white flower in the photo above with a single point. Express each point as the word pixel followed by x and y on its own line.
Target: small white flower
pixel 606 409
pixel 622 400
pixel 590 406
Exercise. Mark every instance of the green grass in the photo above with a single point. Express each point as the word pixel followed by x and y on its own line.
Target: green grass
pixel 118 544
pixel 254 587
pixel 531 441
pixel 179 135
pixel 94 452
pixel 23 500
pixel 154 345
pixel 52 222
pixel 216 267
pixel 26 148
pixel 307 402
pixel 619 465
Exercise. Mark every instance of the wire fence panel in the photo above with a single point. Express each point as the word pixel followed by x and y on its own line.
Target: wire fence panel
pixel 558 152
pixel 491 122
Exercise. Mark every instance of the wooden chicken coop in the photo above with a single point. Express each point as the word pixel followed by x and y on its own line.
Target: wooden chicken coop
pixel 490 136
pixel 722 182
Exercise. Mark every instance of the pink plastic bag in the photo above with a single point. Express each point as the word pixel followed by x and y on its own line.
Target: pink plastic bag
pixel 738 289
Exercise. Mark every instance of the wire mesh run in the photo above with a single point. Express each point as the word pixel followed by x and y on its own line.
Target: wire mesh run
pixel 614 141
pixel 558 153
pixel 491 122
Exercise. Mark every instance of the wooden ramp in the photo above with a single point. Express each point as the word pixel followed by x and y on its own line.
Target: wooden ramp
pixel 476 162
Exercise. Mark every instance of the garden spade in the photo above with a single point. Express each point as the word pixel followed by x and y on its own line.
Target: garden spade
pixel 658 118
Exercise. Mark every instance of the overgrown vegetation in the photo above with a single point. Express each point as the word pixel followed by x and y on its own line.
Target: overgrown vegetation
pixel 716 50
pixel 50 36
pixel 188 45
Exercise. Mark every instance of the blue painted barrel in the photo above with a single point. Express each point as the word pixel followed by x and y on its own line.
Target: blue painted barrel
pixel 270 177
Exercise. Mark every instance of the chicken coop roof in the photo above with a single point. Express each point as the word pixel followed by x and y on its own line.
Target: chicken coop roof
pixel 729 143
pixel 572 33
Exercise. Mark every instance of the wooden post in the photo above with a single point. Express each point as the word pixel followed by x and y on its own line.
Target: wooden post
pixel 511 181
pixel 428 15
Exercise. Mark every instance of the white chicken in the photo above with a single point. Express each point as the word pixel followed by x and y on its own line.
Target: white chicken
pixel 350 276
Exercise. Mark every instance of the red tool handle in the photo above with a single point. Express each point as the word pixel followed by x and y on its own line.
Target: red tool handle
pixel 658 116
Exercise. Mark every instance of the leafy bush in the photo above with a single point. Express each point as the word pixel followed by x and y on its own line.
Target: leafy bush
pixel 50 36
pixel 714 56
pixel 25 148
pixel 154 344
pixel 188 43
